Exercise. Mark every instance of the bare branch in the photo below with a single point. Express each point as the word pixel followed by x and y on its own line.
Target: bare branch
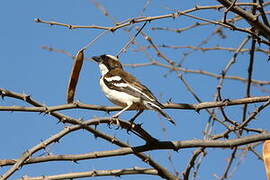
pixel 251 19
pixel 96 173
pixel 50 109
pixel 157 145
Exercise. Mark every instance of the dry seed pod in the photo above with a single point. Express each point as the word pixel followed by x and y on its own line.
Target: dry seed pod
pixel 76 68
pixel 266 157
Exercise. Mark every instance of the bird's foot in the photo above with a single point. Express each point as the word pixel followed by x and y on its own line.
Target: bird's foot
pixel 116 119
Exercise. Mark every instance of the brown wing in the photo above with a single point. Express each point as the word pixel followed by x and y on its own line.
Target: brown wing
pixel 125 82
pixel 137 89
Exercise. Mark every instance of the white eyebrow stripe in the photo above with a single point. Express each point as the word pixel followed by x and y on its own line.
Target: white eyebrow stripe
pixel 120 84
pixel 113 78
pixel 112 57
pixel 139 91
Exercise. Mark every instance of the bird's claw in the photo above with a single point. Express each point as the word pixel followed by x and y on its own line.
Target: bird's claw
pixel 115 118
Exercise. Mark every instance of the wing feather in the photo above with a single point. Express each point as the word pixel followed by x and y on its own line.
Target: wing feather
pixel 133 86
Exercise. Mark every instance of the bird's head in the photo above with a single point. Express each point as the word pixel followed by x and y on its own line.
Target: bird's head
pixel 107 63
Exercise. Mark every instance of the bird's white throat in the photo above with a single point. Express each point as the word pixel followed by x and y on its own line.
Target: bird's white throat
pixel 103 69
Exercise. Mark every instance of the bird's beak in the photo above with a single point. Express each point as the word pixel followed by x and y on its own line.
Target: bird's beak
pixel 98 59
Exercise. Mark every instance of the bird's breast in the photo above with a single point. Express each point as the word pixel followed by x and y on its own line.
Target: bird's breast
pixel 119 98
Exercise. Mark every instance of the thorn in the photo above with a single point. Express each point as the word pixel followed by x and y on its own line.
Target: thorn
pixel 204 152
pixel 197 110
pixel 2 94
pixel 37 20
pixel 226 101
pixel 139 125
pixel 58 121
pixel 26 97
pixel 226 136
pixel 146 160
pixel 117 175
pixel 81 119
pixel 75 161
pixel 46 111
pixel 132 21
pixel 63 120
pixel 112 29
pixel 174 15
pixel 94 173
pixel 76 104
pixel 57 140
pixel 113 140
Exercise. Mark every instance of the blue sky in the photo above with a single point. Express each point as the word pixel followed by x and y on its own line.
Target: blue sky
pixel 27 68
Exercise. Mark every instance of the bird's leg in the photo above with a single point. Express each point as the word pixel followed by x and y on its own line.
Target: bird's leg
pixel 136 115
pixel 120 112
pixel 133 119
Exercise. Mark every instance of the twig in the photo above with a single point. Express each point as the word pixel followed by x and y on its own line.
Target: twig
pixel 250 18
pixel 158 145
pixel 204 49
pixel 263 14
pixel 250 71
pixel 227 10
pixel 96 173
pixel 202 72
pixel 65 119
pixel 95 39
pixel 229 165
pixel 51 109
pixel 131 40
pixel 36 148
pixel 258 25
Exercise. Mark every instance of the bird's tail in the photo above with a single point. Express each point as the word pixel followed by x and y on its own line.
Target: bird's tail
pixel 158 107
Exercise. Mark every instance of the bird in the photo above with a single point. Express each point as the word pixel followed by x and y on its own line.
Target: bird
pixel 124 90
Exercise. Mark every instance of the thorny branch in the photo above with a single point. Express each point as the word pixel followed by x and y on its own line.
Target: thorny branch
pixel 182 69
pixel 157 145
pixel 75 105
pixel 240 12
pixel 66 119
pixel 96 173
pixel 258 29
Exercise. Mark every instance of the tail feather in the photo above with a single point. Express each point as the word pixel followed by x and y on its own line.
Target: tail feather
pixel 154 106
pixel 166 116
